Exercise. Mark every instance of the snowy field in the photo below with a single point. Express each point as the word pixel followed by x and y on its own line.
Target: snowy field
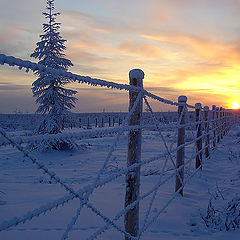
pixel 25 188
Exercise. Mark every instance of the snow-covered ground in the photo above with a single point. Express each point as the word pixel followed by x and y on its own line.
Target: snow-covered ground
pixel 24 188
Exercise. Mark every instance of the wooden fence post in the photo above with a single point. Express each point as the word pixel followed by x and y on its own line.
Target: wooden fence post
pixel 131 218
pixel 214 124
pixel 182 100
pixel 229 121
pixel 88 123
pixel 224 122
pixel 226 116
pixel 96 123
pixel 217 125
pixel 206 127
pixel 221 122
pixel 198 107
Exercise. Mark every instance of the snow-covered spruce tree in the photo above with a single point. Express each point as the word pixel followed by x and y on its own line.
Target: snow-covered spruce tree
pixel 55 101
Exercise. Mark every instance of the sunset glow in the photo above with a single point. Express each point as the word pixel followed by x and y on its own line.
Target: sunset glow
pixel 235 106
pixel 184 47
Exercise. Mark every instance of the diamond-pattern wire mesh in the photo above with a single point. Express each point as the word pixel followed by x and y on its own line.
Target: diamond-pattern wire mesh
pixel 84 193
pixel 84 198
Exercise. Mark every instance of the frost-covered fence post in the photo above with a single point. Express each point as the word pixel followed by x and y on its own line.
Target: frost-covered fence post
pixel 182 100
pixel 88 123
pixel 217 124
pixel 229 121
pixel 206 127
pixel 198 107
pixel 102 122
pixel 96 123
pixel 224 122
pixel 131 218
pixel 221 122
pixel 228 114
pixel 214 124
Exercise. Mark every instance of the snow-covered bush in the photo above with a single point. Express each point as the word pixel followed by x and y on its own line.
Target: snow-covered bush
pixel 223 220
pixel 53 144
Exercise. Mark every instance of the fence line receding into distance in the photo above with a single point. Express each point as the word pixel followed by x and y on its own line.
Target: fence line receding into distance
pixel 208 128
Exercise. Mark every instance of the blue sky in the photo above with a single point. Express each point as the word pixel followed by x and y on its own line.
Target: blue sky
pixel 184 47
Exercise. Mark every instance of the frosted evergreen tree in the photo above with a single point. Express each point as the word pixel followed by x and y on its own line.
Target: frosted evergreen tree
pixel 55 101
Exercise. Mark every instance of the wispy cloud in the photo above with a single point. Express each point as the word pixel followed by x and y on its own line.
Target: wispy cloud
pixel 11 87
pixel 184 47
pixel 132 48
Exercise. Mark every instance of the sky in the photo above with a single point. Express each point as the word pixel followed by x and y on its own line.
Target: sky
pixel 184 47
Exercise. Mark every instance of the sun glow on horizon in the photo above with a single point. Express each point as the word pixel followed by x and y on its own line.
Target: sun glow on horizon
pixel 235 106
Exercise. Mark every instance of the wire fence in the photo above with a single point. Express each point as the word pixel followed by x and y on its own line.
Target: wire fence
pixel 181 158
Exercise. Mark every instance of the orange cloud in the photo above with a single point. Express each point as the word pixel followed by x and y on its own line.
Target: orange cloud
pixel 177 56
